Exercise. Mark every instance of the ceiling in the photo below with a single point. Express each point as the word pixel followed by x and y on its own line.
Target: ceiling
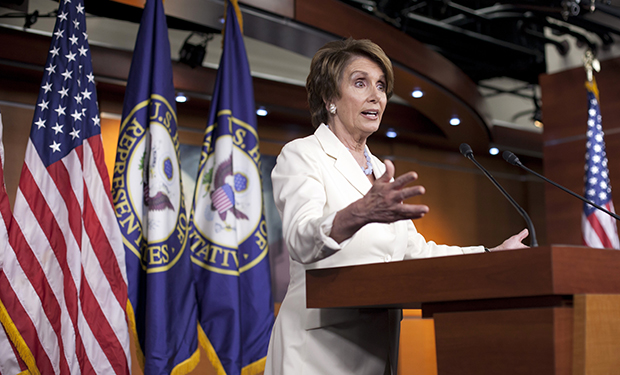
pixel 489 38
pixel 504 46
pixel 501 46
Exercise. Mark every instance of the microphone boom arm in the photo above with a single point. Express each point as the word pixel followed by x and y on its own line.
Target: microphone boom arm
pixel 528 221
pixel 515 161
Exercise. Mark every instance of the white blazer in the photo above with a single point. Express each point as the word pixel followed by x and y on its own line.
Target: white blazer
pixel 315 177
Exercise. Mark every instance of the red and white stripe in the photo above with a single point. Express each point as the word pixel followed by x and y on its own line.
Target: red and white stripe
pixel 65 281
pixel 599 229
pixel 221 202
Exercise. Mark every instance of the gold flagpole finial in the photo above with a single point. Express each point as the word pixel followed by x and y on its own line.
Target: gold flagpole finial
pixel 590 63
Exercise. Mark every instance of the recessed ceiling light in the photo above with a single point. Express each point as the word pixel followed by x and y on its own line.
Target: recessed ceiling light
pixel 417 93
pixel 261 111
pixel 180 98
pixel 391 133
pixel 493 151
pixel 454 121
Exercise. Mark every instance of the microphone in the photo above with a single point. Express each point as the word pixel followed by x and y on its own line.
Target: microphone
pixel 469 154
pixel 514 160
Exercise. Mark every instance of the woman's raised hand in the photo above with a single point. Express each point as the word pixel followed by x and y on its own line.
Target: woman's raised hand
pixel 384 202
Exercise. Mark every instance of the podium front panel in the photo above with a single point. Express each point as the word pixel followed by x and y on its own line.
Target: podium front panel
pixel 508 342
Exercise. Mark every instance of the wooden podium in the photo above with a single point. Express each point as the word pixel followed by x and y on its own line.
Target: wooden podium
pixel 510 312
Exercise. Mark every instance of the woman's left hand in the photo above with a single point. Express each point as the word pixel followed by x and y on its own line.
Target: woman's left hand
pixel 514 242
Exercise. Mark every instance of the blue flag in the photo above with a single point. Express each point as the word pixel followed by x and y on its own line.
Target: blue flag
pixel 228 232
pixel 150 208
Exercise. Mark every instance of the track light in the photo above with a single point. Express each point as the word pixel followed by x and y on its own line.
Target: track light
pixel 31 19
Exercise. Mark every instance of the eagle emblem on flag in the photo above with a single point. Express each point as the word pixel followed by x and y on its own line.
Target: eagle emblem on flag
pixel 160 174
pixel 223 195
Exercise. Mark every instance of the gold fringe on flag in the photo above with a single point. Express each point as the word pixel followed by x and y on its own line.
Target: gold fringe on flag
pixel 591 86
pixel 17 340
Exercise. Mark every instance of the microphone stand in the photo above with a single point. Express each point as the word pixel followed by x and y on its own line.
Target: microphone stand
pixel 514 160
pixel 469 154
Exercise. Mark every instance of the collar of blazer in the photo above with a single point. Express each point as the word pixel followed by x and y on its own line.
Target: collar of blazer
pixel 344 162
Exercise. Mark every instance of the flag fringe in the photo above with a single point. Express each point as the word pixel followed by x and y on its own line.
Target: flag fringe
pixel 182 368
pixel 211 354
pixel 255 368
pixel 593 87
pixel 188 365
pixel 18 341
pixel 134 333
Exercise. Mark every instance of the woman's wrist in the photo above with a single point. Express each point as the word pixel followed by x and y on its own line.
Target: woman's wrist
pixel 348 221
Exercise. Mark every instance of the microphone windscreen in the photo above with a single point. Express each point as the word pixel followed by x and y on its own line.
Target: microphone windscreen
pixel 465 150
pixel 511 158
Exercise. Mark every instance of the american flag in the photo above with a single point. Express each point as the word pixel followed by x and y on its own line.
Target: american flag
pixel 599 229
pixel 64 284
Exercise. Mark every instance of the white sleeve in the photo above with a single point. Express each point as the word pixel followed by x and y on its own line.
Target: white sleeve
pixel 299 194
pixel 418 247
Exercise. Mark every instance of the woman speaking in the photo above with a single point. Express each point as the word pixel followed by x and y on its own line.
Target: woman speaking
pixel 340 205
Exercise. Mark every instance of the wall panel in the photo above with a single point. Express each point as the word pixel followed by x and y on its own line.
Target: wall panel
pixel 565 117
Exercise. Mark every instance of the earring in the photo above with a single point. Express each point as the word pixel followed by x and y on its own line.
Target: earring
pixel 332 109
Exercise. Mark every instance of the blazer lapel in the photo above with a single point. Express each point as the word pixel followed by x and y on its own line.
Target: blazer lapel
pixel 344 162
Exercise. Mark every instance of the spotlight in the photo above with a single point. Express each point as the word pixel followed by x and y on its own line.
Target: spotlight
pixel 180 98
pixel 261 111
pixel 417 93
pixel 537 118
pixel 391 133
pixel 194 54
pixel 454 121
pixel 493 151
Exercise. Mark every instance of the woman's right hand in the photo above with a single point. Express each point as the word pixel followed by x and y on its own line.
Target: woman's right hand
pixel 382 204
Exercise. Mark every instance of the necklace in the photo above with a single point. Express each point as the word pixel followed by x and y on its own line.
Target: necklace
pixel 368 169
